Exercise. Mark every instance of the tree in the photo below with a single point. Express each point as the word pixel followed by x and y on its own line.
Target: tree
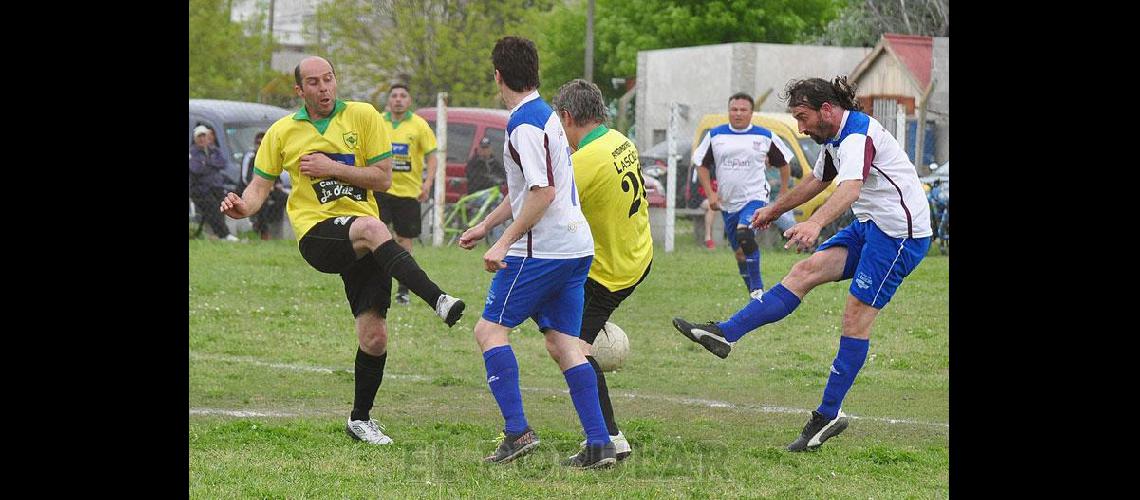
pixel 225 62
pixel 439 45
pixel 863 22
pixel 623 28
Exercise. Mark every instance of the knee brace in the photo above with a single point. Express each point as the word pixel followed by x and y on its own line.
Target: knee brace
pixel 747 240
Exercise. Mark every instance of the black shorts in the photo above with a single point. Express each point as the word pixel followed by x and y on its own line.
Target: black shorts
pixel 328 249
pixel 601 303
pixel 405 211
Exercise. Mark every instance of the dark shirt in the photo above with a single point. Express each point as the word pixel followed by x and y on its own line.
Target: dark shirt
pixel 206 169
pixel 484 173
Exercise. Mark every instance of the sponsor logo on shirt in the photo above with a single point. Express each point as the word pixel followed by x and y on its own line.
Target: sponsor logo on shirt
pixel 401 162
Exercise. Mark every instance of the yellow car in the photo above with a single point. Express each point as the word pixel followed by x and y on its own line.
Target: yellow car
pixel 805 149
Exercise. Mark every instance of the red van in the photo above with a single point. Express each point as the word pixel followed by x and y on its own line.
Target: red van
pixel 465 128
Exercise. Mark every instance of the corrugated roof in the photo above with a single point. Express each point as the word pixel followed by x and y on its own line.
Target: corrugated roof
pixel 915 53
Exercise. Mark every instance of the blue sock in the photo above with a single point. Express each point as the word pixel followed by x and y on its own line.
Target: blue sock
pixel 772 306
pixel 743 267
pixel 583 384
pixel 753 262
pixel 503 379
pixel 852 353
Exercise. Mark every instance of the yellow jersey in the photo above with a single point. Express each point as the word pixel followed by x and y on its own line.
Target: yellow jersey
pixel 607 172
pixel 412 139
pixel 353 134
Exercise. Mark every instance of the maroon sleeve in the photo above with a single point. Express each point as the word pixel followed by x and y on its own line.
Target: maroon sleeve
pixel 776 157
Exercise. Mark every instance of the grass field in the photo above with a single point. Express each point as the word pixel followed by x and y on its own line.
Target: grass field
pixel 271 349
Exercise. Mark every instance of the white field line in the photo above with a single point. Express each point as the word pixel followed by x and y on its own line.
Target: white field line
pixel 241 413
pixel 709 403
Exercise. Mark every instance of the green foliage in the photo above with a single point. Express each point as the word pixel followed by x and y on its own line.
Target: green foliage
pixel 623 28
pixel 863 22
pixel 228 60
pixel 433 45
pixel 279 91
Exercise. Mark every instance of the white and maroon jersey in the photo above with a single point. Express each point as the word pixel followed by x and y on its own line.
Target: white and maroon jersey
pixel 537 153
pixel 740 157
pixel 892 195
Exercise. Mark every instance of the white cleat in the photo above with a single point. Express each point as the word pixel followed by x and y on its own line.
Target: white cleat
pixel 449 308
pixel 367 431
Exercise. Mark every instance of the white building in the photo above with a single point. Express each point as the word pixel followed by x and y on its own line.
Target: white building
pixel 289 17
pixel 703 77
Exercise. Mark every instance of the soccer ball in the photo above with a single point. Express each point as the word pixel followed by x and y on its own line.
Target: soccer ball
pixel 611 347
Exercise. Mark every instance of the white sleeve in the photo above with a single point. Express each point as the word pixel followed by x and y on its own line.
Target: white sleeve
pixel 530 143
pixel 702 149
pixel 855 155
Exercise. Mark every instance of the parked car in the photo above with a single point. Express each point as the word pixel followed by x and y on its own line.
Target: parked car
pixel 804 149
pixel 655 166
pixel 465 128
pixel 234 124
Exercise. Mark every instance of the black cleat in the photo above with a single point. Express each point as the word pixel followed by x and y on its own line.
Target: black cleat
pixel 818 430
pixel 514 446
pixel 594 457
pixel 707 335
pixel 403 299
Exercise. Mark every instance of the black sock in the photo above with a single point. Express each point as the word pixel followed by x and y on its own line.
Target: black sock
pixel 399 264
pixel 604 397
pixel 403 290
pixel 369 374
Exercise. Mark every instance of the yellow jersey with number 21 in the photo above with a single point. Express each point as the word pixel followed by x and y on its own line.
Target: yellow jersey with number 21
pixel 607 172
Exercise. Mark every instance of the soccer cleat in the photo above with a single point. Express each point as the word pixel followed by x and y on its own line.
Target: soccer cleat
pixel 594 457
pixel 402 299
pixel 707 335
pixel 449 308
pixel 709 244
pixel 621 447
pixel 367 431
pixel 514 446
pixel 756 294
pixel 817 430
pixel 230 237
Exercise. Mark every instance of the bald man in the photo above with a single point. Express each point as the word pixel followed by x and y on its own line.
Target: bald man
pixel 337 153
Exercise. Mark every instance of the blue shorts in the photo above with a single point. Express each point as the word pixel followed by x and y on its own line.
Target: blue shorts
pixel 731 220
pixel 877 262
pixel 550 291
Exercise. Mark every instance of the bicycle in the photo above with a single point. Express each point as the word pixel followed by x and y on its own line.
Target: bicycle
pixel 461 215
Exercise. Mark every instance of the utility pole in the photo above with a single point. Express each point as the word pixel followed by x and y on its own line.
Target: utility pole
pixel 590 41
pixel 266 65
pixel 921 130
